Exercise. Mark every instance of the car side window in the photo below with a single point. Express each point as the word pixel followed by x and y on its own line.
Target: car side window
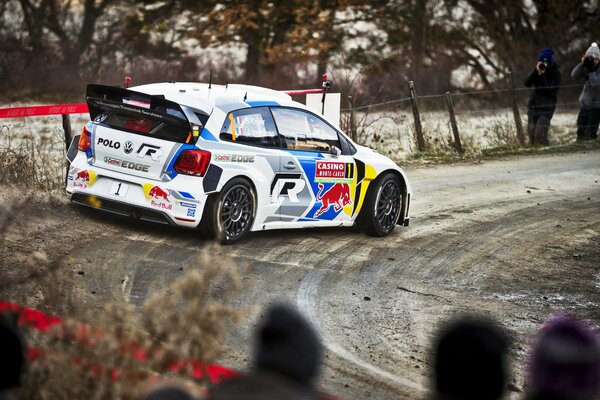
pixel 250 126
pixel 302 130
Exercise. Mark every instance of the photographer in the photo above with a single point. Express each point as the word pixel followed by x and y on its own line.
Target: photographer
pixel 589 115
pixel 545 78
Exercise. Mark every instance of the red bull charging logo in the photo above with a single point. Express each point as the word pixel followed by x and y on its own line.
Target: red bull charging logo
pixel 158 197
pixel 83 175
pixel 84 178
pixel 337 196
pixel 158 193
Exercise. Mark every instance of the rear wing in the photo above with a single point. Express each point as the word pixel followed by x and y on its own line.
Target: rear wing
pixel 138 113
pixel 102 98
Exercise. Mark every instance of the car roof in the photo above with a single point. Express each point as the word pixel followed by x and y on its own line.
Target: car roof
pixel 225 97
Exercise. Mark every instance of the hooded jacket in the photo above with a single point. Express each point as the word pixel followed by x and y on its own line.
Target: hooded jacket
pixel 543 97
pixel 590 95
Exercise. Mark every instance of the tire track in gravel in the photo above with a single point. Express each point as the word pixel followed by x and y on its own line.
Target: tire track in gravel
pixel 473 244
pixel 474 270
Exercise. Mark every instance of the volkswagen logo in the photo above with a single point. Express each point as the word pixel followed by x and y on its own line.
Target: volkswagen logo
pixel 128 148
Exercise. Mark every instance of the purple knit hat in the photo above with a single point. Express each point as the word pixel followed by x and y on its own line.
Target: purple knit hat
pixel 565 359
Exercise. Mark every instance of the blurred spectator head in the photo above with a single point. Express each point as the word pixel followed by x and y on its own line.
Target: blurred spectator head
pixel 167 391
pixel 470 360
pixel 288 345
pixel 12 352
pixel 593 51
pixel 547 55
pixel 261 386
pixel 565 360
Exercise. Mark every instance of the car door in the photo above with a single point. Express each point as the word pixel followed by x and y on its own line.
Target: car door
pixel 317 182
pixel 253 132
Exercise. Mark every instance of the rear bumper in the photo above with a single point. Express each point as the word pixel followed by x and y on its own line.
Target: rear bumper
pixel 177 202
pixel 122 209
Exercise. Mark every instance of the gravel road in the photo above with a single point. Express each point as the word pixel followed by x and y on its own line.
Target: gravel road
pixel 515 239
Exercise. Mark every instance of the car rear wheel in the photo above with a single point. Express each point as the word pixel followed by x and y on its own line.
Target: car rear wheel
pixel 230 214
pixel 382 207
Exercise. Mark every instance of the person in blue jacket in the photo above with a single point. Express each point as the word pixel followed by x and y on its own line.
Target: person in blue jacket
pixel 589 114
pixel 545 78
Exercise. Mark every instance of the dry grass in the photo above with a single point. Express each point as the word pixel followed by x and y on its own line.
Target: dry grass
pixel 102 358
pixel 95 354
pixel 32 154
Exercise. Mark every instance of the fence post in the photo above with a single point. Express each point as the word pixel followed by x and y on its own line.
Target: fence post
pixel 515 107
pixel 457 143
pixel 353 132
pixel 417 117
pixel 66 123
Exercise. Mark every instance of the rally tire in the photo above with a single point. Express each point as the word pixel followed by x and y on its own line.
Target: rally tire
pixel 230 214
pixel 382 208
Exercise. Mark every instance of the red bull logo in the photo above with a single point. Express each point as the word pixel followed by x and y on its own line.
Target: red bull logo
pixel 337 196
pixel 83 175
pixel 158 194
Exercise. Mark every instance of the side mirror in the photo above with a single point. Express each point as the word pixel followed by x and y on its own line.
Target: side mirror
pixel 335 151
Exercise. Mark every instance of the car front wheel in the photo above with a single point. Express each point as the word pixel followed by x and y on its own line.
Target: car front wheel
pixel 382 207
pixel 229 216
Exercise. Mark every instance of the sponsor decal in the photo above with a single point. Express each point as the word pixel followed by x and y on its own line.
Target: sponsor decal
pixel 122 107
pixel 338 196
pixel 84 178
pixel 287 186
pixel 191 212
pixel 109 143
pixel 186 195
pixel 101 117
pixel 126 164
pixel 112 161
pixel 334 172
pixel 158 197
pixel 188 205
pixel 236 158
pixel 128 148
pixel 148 150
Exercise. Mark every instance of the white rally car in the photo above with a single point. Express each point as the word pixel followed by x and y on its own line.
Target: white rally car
pixel 228 160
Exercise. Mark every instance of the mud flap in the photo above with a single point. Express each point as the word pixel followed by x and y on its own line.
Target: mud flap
pixel 72 152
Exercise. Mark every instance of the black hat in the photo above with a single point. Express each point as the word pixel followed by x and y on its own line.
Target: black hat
pixel 287 344
pixel 470 361
pixel 12 352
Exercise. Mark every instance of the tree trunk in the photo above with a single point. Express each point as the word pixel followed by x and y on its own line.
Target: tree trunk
pixel 253 59
pixel 418 40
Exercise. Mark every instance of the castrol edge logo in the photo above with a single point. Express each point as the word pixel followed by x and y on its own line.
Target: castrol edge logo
pixel 334 171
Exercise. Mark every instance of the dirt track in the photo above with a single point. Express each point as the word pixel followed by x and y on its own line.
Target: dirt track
pixel 515 239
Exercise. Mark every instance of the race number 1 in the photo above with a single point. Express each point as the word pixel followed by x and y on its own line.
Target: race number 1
pixel 119 189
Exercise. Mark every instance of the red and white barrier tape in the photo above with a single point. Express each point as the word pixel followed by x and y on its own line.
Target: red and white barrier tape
pixel 61 109
pixel 35 111
pixel 39 321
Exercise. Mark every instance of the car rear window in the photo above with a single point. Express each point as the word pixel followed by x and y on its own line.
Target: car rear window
pixel 146 126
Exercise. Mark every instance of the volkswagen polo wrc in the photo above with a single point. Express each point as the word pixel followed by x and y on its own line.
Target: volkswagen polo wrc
pixel 228 160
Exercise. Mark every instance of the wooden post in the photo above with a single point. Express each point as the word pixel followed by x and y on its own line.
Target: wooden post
pixel 66 123
pixel 457 143
pixel 417 117
pixel 517 115
pixel 353 132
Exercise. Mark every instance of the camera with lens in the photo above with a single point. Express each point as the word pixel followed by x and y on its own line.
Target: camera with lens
pixel 588 62
pixel 543 65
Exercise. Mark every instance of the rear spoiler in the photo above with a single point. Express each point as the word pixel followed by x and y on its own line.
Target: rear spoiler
pixel 102 99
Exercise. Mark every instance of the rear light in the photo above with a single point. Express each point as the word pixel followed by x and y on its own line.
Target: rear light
pixel 192 162
pixel 85 140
